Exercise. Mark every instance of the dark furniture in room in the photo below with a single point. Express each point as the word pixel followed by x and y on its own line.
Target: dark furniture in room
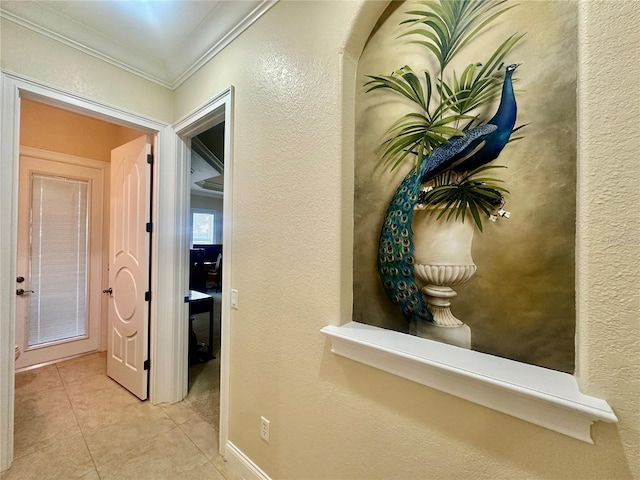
pixel 205 273
pixel 197 271
pixel 206 267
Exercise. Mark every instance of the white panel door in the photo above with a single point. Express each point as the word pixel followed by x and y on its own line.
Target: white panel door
pixel 128 329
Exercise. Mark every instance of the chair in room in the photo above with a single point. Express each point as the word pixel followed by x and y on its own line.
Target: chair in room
pixel 214 273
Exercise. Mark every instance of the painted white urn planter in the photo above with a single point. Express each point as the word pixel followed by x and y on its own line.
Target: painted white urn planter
pixel 442 260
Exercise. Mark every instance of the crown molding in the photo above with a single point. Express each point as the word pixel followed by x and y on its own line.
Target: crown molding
pixel 255 14
pixel 82 48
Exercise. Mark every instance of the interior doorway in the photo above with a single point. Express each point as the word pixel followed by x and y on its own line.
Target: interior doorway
pixel 163 328
pixel 63 232
pixel 169 262
pixel 206 221
pixel 214 118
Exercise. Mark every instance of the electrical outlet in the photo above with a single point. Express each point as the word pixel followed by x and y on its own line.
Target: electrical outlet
pixel 264 429
pixel 234 298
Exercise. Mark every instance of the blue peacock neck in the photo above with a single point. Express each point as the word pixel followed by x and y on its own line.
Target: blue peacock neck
pixel 505 117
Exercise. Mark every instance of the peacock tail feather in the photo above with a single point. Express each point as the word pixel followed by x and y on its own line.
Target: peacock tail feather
pixel 396 252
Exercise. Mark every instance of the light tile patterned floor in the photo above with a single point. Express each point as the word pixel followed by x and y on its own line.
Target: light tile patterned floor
pixel 73 422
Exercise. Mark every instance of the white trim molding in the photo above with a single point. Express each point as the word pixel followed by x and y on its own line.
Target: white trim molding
pixel 243 464
pixel 9 154
pixel 545 397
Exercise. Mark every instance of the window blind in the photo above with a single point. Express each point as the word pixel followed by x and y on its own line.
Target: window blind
pixel 58 259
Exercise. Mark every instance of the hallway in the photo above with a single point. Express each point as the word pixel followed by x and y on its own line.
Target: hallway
pixel 73 422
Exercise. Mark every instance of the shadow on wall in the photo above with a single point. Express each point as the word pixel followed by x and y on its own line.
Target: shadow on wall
pixel 430 428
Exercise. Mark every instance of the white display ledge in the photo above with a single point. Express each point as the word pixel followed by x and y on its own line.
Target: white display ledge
pixel 538 395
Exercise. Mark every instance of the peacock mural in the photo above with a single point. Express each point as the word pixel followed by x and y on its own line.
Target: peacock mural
pixel 444 151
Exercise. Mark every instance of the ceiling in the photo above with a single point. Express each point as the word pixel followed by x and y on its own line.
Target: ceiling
pixel 164 41
pixel 207 162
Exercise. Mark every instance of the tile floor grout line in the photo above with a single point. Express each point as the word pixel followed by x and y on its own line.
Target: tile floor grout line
pixel 82 432
pixel 208 460
pixel 187 435
pixel 75 415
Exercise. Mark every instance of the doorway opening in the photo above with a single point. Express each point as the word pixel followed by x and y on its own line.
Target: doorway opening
pixel 169 264
pixel 205 164
pixel 205 232
pixel 67 230
pixel 63 232
pixel 163 329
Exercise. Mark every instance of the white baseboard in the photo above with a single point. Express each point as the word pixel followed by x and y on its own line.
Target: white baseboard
pixel 243 464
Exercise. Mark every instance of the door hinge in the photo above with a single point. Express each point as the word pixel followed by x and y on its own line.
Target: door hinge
pixel 150 158
pixel 147 296
pixel 149 227
pixel 147 364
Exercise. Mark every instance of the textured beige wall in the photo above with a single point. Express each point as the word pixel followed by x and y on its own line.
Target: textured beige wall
pixel 608 299
pixel 41 58
pixel 332 418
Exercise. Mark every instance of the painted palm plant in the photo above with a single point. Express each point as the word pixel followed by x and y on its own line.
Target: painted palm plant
pixel 444 28
pixel 446 103
pixel 445 134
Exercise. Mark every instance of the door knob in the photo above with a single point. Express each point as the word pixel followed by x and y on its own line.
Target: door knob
pixel 20 291
pixel 108 290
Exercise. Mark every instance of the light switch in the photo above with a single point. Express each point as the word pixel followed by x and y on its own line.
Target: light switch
pixel 234 298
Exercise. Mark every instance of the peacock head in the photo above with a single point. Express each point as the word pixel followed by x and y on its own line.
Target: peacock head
pixel 512 68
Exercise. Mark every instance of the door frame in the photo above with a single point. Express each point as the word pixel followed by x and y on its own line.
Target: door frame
pixel 214 111
pixel 165 330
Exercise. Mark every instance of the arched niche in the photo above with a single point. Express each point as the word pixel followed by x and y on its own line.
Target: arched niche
pixel 532 392
pixel 520 304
